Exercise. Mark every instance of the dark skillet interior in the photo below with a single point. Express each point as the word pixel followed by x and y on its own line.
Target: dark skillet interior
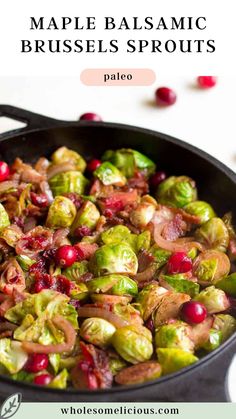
pixel 215 183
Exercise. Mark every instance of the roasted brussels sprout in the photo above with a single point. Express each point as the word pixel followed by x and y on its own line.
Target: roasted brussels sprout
pixel 12 356
pixel 61 213
pixel 128 161
pixel 128 313
pixel 213 234
pixel 201 209
pixel 215 300
pixel 169 307
pixel 72 181
pixel 116 364
pixel 148 299
pixel 133 343
pixel 172 359
pixel 143 214
pixel 75 271
pixel 97 331
pixel 180 283
pixel 176 191
pixel 64 154
pixel 88 215
pixel 161 256
pixel 175 335
pixel 4 219
pixel 60 381
pixel 116 234
pixel 143 241
pixel 210 266
pixel 226 324
pixel 227 284
pixel 138 374
pixel 11 234
pixel 113 284
pixel 114 258
pixel 214 340
pixel 79 292
pixel 108 174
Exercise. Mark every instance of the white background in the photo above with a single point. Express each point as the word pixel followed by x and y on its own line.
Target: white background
pixel 203 118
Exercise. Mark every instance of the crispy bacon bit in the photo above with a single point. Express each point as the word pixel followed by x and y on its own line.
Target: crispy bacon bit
pixel 11 277
pixel 35 241
pixel 70 337
pixel 117 201
pixel 93 370
pixel 75 198
pixel 27 173
pixel 85 250
pixel 41 165
pixel 175 228
pixel 139 181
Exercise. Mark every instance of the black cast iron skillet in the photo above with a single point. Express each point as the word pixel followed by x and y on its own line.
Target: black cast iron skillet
pixel 205 380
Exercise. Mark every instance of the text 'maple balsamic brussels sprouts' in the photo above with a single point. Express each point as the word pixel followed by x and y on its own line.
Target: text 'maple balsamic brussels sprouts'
pixel 133 343
pixel 213 234
pixel 64 154
pixel 61 213
pixel 97 331
pixel 175 335
pixel 128 161
pixel 201 209
pixel 114 258
pixel 108 174
pixel 66 182
pixel 176 191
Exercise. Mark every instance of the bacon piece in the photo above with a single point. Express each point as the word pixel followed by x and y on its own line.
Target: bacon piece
pixel 27 173
pixel 175 228
pixel 86 250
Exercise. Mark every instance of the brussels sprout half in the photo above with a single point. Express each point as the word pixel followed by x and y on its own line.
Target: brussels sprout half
pixel 172 359
pixel 88 215
pixel 64 154
pixel 227 284
pixel 97 331
pixel 210 266
pixel 72 181
pixel 176 191
pixel 213 234
pixel 4 219
pixel 12 355
pixel 128 161
pixel 180 283
pixel 143 214
pixel 61 213
pixel 215 300
pixel 114 258
pixel 113 284
pixel 133 343
pixel 175 335
pixel 214 340
pixel 75 271
pixel 226 324
pixel 108 174
pixel 148 299
pixel 201 209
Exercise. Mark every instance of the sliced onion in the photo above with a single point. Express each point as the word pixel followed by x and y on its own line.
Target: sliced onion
pixel 8 184
pixel 179 245
pixel 45 188
pixel 146 275
pixel 59 236
pixel 117 321
pixel 55 169
pixel 70 337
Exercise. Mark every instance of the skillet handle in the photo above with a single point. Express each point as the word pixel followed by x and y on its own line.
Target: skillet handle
pixel 33 120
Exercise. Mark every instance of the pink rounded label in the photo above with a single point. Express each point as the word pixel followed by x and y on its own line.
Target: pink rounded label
pixel 118 77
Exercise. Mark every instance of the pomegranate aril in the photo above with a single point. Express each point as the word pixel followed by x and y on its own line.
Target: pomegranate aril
pixel 4 171
pixel 36 363
pixel 90 116
pixel 178 263
pixel 165 96
pixel 42 379
pixel 193 312
pixel 206 82
pixel 93 165
pixel 156 179
pixel 66 255
pixel 40 200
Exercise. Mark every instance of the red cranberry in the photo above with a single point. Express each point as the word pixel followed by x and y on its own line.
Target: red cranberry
pixel 4 171
pixel 42 379
pixel 179 263
pixel 93 165
pixel 64 285
pixel 82 231
pixel 66 255
pixel 206 82
pixel 43 281
pixel 157 178
pixel 40 200
pixel 36 363
pixel 165 96
pixel 90 116
pixel 193 312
